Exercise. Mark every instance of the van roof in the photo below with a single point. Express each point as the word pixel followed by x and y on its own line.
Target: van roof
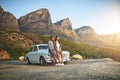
pixel 40 45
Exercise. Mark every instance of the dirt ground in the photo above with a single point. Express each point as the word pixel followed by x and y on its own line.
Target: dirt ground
pixel 91 69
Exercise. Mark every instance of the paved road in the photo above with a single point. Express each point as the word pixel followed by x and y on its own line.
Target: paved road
pixel 92 69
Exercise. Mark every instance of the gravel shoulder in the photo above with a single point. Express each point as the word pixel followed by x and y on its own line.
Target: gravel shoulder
pixel 91 69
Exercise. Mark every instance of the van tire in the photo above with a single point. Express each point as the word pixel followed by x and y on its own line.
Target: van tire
pixel 42 61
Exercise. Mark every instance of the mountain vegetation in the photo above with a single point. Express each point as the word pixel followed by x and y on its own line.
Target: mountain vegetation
pixel 16 50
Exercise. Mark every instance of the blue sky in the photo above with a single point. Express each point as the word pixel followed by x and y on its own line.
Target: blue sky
pixel 102 15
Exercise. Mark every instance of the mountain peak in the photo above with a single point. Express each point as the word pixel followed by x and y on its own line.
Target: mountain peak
pixel 1 11
pixel 41 11
pixel 67 19
pixel 85 28
pixel 8 21
pixel 38 15
pixel 64 24
pixel 35 21
pixel 86 31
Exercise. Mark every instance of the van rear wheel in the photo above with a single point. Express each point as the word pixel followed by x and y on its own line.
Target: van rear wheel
pixel 28 61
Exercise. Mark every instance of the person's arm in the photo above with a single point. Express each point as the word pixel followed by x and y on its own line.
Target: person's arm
pixel 51 45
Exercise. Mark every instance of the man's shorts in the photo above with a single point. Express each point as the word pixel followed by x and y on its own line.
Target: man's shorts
pixel 52 53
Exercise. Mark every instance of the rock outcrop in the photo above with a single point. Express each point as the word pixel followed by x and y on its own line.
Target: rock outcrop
pixel 8 21
pixel 4 54
pixel 19 39
pixel 35 22
pixel 64 24
pixel 64 27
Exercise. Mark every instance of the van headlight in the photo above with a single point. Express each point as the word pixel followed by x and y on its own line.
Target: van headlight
pixel 48 56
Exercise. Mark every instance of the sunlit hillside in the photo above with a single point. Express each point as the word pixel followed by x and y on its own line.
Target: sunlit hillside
pixel 16 46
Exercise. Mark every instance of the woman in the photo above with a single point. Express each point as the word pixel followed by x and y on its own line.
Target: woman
pixel 52 49
pixel 59 50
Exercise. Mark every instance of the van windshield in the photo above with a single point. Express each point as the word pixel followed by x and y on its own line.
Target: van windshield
pixel 43 47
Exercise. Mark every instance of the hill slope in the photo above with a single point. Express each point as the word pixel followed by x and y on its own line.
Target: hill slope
pixel 18 46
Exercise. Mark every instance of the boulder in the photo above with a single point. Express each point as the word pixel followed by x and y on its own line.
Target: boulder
pixel 4 54
pixel 77 57
pixel 21 58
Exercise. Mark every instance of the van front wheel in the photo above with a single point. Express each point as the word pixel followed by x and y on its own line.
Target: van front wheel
pixel 42 61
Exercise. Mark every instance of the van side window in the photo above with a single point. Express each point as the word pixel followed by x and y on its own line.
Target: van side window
pixel 35 48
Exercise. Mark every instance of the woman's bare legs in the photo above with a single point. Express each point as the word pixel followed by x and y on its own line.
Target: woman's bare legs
pixel 55 58
pixel 58 55
pixel 62 57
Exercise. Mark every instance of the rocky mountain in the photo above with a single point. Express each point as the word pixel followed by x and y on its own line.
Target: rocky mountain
pixel 88 35
pixel 64 24
pixel 35 22
pixel 86 32
pixel 8 21
pixel 64 29
pixel 39 22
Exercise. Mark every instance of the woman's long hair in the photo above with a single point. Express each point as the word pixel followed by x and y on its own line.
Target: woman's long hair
pixel 56 39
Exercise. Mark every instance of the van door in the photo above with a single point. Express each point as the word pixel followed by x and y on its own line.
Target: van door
pixel 32 55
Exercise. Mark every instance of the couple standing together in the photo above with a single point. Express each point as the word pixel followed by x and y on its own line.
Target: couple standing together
pixel 54 47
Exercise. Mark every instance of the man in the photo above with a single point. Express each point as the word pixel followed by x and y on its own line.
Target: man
pixel 52 50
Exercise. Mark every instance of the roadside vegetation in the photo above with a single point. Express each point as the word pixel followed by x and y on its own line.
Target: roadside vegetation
pixel 87 51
